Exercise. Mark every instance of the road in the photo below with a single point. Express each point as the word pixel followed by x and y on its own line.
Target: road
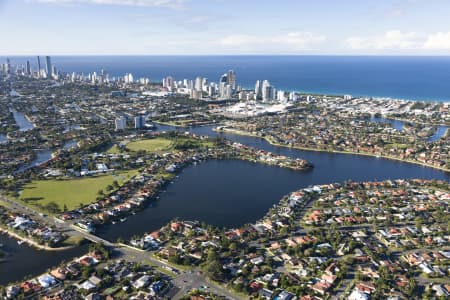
pixel 183 282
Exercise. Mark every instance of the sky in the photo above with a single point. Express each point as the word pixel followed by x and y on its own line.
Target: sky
pixel 216 27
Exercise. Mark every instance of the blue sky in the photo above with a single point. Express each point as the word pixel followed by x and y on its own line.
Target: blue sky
pixel 384 27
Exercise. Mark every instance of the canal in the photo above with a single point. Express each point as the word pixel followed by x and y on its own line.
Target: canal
pixel 22 260
pixel 21 121
pixel 231 193
pixel 226 193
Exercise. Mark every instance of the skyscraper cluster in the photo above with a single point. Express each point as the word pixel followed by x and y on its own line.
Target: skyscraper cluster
pixel 264 91
pixel 49 72
pixel 6 67
pixel 201 87
pixel 43 68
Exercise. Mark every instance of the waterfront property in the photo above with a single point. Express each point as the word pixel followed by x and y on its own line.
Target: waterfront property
pixel 249 257
pixel 278 255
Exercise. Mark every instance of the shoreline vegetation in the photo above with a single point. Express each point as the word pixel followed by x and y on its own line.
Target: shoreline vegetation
pixel 245 133
pixel 172 155
pixel 293 211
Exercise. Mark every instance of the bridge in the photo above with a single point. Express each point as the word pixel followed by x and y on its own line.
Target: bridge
pixel 93 238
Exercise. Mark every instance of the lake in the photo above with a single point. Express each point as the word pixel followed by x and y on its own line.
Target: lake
pixel 226 193
pixel 231 193
pixel 23 260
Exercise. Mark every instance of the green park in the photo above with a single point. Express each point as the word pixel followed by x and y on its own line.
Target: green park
pixel 66 194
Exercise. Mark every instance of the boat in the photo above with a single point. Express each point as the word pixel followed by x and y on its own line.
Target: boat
pixel 114 222
pixel 123 220
pixel 20 242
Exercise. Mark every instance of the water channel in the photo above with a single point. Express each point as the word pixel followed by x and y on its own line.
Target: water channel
pixel 225 193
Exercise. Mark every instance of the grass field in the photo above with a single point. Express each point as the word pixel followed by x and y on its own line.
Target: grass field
pixel 70 192
pixel 150 145
pixel 73 241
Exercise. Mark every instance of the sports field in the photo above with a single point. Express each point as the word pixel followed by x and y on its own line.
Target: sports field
pixel 71 192
pixel 150 145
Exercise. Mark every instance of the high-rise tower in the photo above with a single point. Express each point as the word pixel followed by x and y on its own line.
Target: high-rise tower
pixel 258 90
pixel 28 68
pixel 39 66
pixel 231 79
pixel 48 67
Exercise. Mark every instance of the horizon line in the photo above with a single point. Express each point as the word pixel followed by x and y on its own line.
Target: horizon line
pixel 243 54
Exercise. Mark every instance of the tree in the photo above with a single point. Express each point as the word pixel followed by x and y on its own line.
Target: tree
pixel 52 207
pixel 213 267
pixel 418 223
pixel 85 273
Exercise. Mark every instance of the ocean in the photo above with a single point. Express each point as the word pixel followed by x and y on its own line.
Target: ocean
pixel 403 77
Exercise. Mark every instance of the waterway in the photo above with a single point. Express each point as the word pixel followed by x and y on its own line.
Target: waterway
pixel 440 132
pixel 22 260
pixel 41 157
pixel 398 125
pixel 21 121
pixel 46 154
pixel 227 193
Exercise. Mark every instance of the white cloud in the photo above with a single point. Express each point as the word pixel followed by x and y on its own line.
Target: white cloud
pixel 175 4
pixel 293 41
pixel 391 40
pixel 395 40
pixel 438 41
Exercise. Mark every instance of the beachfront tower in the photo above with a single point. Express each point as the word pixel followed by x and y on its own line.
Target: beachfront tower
pixel 48 67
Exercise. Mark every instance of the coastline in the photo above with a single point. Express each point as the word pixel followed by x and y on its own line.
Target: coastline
pixel 244 133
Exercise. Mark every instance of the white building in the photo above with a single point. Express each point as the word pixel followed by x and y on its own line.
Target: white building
pixel 121 123
pixel 267 91
pixel 198 84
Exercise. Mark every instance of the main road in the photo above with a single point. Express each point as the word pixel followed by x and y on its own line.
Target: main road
pixel 184 281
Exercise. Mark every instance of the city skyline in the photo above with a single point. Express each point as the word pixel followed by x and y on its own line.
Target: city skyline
pixel 174 27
